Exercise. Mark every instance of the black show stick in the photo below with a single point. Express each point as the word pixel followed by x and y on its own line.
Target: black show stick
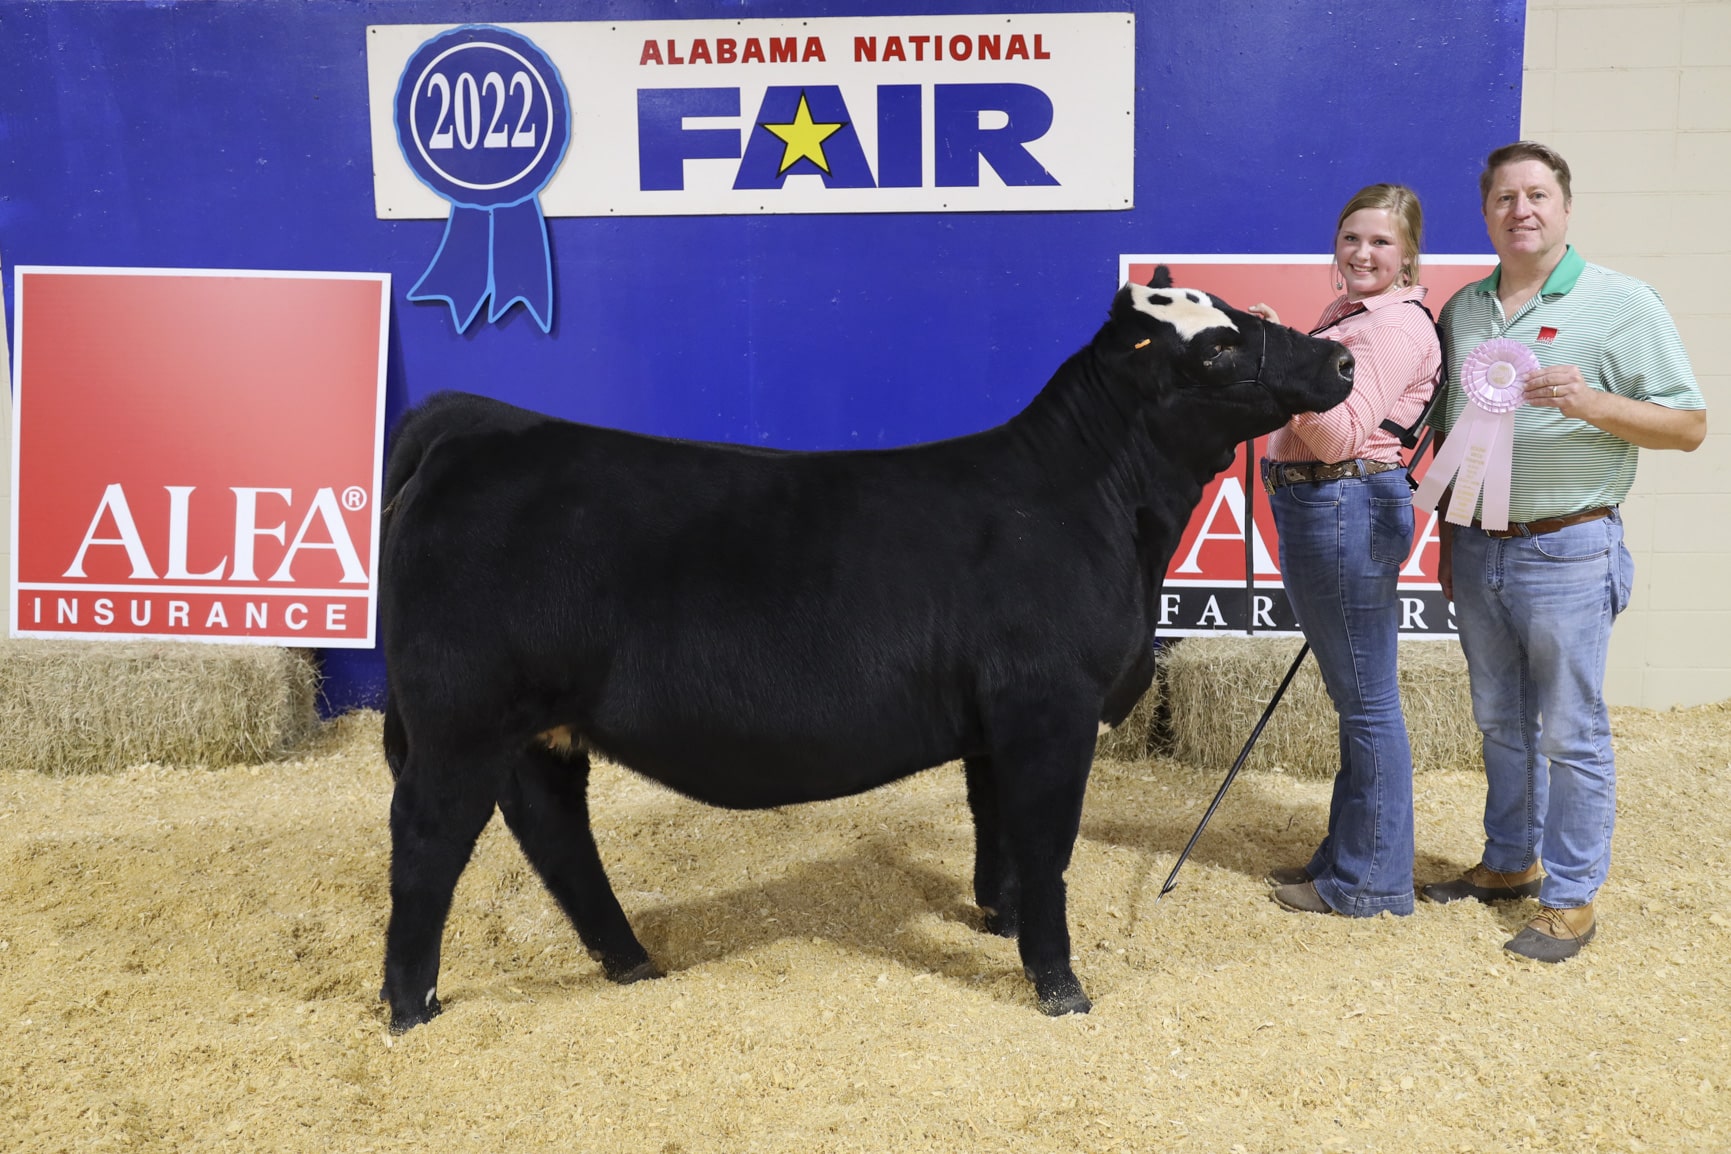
pixel 1172 878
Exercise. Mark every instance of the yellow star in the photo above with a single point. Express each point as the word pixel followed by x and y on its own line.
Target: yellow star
pixel 804 139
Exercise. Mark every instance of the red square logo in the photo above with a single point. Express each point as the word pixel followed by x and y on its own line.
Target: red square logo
pixel 1547 333
pixel 197 455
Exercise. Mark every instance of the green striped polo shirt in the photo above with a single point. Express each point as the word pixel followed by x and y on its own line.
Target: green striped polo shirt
pixel 1612 327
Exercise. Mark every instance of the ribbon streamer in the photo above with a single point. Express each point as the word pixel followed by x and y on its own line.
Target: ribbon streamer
pixel 1478 455
pixel 499 254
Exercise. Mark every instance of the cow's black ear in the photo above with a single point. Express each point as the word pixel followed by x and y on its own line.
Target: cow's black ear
pixel 1162 277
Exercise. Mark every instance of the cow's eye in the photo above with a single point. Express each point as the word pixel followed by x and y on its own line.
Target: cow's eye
pixel 1215 351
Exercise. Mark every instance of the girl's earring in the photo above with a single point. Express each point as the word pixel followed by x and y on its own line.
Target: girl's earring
pixel 1339 281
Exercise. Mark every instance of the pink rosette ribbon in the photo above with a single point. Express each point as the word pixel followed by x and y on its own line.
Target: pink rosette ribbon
pixel 1480 450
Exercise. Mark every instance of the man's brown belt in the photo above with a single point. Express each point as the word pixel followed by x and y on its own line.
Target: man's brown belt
pixel 1548 525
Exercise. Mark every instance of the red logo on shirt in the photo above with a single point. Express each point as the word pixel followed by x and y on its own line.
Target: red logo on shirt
pixel 1547 333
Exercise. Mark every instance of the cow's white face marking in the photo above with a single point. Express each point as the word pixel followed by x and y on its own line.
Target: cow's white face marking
pixel 1186 310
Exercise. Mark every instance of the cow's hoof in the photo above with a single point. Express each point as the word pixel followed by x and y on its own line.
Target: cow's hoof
pixel 1005 925
pixel 1058 1005
pixel 402 1021
pixel 625 975
pixel 1061 994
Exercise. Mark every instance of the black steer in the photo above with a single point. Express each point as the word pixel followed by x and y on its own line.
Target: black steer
pixel 756 628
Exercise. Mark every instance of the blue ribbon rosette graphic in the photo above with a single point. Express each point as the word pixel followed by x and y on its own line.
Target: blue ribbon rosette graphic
pixel 483 120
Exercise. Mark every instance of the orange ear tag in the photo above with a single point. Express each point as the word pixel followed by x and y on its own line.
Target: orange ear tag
pixel 1144 342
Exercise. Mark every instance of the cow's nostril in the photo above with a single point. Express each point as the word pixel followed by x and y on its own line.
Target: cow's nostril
pixel 1344 366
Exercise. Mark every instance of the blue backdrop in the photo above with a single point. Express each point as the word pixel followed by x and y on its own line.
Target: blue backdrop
pixel 235 135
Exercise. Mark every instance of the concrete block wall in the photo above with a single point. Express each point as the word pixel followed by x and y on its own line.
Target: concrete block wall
pixel 1636 94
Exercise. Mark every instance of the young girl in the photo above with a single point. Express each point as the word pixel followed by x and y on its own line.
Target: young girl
pixel 1343 510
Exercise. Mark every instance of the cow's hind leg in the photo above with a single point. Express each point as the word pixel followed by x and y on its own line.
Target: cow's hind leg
pixel 1041 754
pixel 435 820
pixel 997 888
pixel 545 802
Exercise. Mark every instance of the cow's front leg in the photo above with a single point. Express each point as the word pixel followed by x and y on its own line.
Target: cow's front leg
pixel 1041 755
pixel 545 802
pixel 433 830
pixel 997 887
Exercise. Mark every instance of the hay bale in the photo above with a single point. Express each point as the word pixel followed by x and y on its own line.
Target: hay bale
pixel 92 707
pixel 1217 687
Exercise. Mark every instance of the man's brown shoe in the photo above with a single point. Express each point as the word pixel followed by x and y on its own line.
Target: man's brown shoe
pixel 1487 885
pixel 1555 934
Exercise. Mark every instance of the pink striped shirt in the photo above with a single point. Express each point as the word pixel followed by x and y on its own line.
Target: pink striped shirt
pixel 1395 349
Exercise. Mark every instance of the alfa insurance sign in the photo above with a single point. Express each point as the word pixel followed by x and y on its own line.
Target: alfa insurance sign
pixel 196 455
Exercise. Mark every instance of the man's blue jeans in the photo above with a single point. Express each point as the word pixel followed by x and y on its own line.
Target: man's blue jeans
pixel 1535 619
pixel 1342 544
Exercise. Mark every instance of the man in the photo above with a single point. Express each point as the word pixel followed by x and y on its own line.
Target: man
pixel 1535 602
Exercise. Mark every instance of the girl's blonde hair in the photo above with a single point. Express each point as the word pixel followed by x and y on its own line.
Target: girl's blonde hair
pixel 1401 204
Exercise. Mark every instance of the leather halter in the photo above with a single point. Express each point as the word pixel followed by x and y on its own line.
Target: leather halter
pixel 1261 360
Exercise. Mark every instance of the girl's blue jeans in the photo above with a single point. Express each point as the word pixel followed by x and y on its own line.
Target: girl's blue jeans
pixel 1342 544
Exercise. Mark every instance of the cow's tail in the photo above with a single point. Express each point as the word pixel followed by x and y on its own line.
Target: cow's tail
pixel 413 436
pixel 438 418
pixel 396 738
